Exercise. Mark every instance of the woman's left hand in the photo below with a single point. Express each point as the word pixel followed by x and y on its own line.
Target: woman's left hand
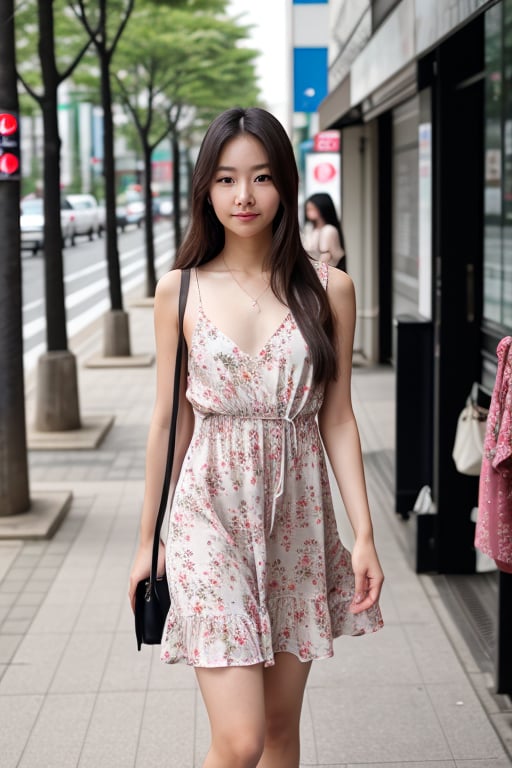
pixel 368 576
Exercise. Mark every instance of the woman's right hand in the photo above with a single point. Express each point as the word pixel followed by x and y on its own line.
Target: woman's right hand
pixel 142 566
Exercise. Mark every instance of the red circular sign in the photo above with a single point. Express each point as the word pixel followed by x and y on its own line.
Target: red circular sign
pixel 324 172
pixel 9 163
pixel 8 124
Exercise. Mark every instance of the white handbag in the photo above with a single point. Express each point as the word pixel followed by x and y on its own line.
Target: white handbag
pixel 468 447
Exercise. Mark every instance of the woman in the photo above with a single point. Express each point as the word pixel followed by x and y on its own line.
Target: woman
pixel 260 582
pixel 323 237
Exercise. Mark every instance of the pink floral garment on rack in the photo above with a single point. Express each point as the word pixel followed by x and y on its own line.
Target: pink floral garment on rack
pixel 493 534
pixel 254 561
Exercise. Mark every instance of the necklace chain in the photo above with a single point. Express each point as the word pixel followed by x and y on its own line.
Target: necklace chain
pixel 255 301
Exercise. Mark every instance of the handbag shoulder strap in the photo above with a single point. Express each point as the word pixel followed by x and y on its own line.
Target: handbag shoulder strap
pixel 185 281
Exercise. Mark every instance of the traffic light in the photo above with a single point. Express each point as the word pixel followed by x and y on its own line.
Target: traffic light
pixel 9 146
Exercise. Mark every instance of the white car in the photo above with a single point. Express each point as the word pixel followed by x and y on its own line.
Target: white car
pixel 87 215
pixel 32 225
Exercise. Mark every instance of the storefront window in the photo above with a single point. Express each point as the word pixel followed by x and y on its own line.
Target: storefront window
pixel 507 165
pixel 498 166
pixel 493 236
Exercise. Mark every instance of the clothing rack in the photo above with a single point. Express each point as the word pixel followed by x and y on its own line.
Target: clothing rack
pixel 481 396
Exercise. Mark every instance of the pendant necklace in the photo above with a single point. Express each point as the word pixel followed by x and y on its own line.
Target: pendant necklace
pixel 255 301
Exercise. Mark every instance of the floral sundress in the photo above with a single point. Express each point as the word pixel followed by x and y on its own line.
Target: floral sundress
pixel 254 561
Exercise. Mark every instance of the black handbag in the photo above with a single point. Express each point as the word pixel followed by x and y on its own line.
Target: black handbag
pixel 152 599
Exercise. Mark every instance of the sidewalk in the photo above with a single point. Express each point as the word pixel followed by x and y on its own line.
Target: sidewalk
pixel 74 692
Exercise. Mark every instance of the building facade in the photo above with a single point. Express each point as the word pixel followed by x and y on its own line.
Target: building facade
pixel 422 93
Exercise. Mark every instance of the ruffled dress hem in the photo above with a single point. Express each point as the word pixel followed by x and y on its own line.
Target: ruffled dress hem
pixel 299 626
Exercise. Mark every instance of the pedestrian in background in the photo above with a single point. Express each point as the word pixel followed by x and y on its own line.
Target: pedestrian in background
pixel 260 582
pixel 323 237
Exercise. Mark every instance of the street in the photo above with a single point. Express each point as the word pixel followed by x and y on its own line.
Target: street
pixel 86 283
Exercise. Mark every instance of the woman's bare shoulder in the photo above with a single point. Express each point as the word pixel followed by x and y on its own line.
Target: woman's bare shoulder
pixel 340 288
pixel 168 291
pixel 169 284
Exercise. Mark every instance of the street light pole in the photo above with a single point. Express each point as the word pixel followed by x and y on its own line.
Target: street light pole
pixel 14 487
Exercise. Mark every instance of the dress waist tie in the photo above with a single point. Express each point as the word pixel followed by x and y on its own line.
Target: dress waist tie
pixel 288 452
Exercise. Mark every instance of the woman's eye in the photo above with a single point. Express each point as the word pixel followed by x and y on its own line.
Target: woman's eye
pixel 225 180
pixel 264 177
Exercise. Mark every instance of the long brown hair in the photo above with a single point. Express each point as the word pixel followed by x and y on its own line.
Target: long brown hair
pixel 293 278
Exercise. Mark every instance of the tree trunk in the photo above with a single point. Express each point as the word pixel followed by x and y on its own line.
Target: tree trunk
pixel 109 171
pixel 57 407
pixel 56 333
pixel 14 488
pixel 176 192
pixel 150 244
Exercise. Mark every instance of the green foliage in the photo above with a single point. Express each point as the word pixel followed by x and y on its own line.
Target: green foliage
pixel 70 39
pixel 177 64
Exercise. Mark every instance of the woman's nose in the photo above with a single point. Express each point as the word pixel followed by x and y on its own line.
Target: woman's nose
pixel 244 195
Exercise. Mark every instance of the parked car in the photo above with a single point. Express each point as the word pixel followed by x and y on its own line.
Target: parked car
pixel 32 224
pixel 163 206
pixel 130 209
pixel 87 214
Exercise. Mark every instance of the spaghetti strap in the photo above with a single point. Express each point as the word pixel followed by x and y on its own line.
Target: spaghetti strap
pixel 198 289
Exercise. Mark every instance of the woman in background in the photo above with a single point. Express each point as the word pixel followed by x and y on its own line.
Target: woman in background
pixel 323 237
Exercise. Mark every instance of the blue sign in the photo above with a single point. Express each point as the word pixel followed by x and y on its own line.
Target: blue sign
pixel 310 2
pixel 309 78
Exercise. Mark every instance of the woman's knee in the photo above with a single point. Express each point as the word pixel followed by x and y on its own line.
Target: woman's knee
pixel 281 727
pixel 242 747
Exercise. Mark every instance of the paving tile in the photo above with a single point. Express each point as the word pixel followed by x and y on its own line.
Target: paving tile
pixel 9 551
pixel 358 724
pixel 20 573
pixel 7 598
pixel 168 676
pixel 465 725
pixel 11 586
pixel 97 617
pixel 34 663
pixel 488 762
pixel 308 751
pixel 113 732
pixel 16 626
pixel 29 598
pixel 202 733
pixel 433 653
pixel 358 660
pixel 8 647
pixel 17 716
pixel 55 617
pixel 82 664
pixel 126 670
pixel 407 764
pixel 167 729
pixel 22 611
pixel 57 737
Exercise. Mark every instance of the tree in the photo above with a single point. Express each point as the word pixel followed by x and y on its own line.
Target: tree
pixel 169 63
pixel 14 491
pixel 104 22
pixel 57 393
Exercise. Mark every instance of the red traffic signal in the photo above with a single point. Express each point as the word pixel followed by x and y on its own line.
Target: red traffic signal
pixel 9 146
pixel 8 123
pixel 9 163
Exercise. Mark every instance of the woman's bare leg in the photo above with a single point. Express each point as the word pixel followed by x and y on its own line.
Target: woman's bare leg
pixel 234 699
pixel 284 690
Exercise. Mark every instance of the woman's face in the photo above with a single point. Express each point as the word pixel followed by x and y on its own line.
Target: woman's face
pixel 312 213
pixel 242 191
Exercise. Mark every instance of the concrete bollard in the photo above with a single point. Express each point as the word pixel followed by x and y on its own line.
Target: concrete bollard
pixel 116 334
pixel 57 407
